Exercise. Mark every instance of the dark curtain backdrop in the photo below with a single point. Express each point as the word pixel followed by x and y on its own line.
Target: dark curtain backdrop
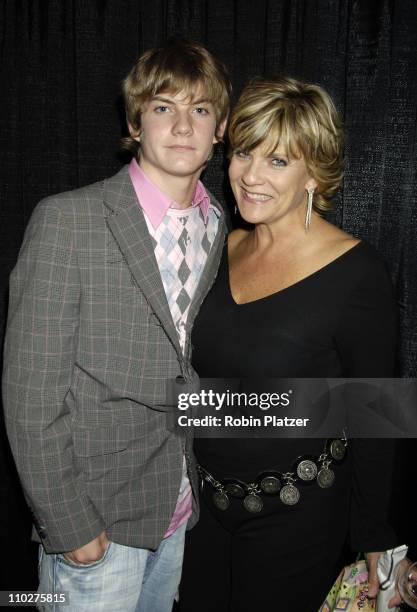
pixel 61 119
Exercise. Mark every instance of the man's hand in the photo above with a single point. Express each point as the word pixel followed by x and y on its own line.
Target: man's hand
pixel 91 552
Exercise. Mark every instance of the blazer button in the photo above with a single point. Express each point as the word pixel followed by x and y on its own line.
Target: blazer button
pixel 180 380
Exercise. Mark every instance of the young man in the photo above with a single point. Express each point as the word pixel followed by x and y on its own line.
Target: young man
pixel 102 300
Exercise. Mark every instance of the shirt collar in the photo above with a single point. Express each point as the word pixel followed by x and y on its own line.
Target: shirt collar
pixel 155 203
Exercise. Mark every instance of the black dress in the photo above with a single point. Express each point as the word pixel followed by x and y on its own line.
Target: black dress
pixel 338 322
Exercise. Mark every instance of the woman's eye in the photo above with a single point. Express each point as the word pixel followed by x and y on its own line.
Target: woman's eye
pixel 241 154
pixel 278 162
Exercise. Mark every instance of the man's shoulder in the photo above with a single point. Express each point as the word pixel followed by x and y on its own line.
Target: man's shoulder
pixel 84 199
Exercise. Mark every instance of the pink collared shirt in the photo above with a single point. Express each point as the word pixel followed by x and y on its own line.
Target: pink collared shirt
pixel 155 202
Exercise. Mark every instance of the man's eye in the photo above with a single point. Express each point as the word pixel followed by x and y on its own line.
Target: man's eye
pixel 200 110
pixel 161 108
pixel 278 162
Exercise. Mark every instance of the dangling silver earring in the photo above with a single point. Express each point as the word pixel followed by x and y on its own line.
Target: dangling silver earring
pixel 235 209
pixel 309 210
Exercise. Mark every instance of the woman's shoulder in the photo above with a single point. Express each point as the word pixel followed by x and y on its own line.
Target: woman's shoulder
pixel 356 267
pixel 333 241
pixel 364 256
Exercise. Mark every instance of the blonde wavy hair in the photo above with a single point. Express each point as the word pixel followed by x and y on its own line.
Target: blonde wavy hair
pixel 298 116
pixel 178 65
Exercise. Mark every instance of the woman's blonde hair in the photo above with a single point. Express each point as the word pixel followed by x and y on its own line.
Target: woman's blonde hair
pixel 178 65
pixel 300 117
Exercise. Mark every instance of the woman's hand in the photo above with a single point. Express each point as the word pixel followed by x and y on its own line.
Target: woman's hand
pixel 396 599
pixel 373 581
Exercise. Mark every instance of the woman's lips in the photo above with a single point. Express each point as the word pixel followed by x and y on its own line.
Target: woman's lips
pixel 253 197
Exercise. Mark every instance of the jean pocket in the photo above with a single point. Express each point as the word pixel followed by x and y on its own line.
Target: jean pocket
pixel 85 566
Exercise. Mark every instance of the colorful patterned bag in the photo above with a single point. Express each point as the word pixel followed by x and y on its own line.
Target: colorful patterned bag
pixel 348 594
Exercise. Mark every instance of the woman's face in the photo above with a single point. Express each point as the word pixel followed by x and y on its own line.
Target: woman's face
pixel 269 187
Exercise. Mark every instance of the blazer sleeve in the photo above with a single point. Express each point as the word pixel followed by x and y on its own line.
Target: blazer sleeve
pixel 366 341
pixel 38 362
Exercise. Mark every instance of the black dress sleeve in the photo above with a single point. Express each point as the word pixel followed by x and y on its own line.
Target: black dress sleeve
pixel 366 342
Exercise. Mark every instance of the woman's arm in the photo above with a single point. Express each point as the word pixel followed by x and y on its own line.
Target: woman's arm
pixel 366 341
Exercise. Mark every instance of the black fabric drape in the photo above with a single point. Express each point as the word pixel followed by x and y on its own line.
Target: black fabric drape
pixel 61 116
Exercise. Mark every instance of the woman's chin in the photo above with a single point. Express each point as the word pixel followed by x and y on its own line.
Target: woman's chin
pixel 252 216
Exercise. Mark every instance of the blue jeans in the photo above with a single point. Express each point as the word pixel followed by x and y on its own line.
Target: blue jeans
pixel 125 579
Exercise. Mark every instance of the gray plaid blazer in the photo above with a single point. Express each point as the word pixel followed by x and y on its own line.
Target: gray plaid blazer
pixel 90 346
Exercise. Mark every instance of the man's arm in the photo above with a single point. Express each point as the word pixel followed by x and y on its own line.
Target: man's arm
pixel 40 346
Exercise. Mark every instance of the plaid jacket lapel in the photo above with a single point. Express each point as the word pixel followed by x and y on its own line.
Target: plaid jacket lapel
pixel 127 224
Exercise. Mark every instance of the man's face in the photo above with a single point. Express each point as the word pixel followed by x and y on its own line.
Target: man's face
pixel 177 134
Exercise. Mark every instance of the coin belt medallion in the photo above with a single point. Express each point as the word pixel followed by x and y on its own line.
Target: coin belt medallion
pixel 270 485
pixel 253 503
pixel 325 478
pixel 221 500
pixel 337 449
pixel 235 490
pixel 307 470
pixel 289 495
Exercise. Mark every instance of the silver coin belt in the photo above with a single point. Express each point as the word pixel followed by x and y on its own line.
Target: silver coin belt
pixel 306 469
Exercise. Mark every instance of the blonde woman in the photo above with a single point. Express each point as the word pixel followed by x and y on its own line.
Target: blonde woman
pixel 295 297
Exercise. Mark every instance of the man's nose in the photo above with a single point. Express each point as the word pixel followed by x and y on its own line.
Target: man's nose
pixel 183 124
